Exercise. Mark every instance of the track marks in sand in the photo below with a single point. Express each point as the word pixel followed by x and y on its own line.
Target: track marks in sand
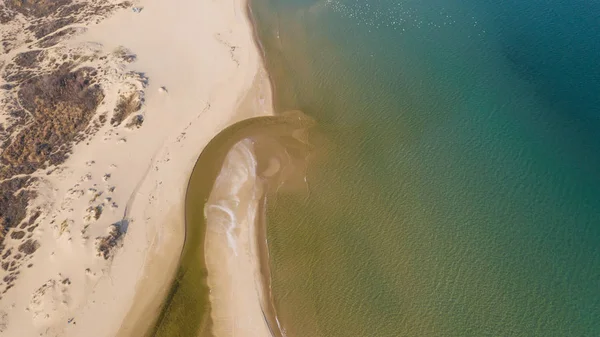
pixel 50 301
pixel 233 49
pixel 94 199
pixel 87 230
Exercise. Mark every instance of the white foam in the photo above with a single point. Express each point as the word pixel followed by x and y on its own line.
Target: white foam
pixel 228 229
pixel 238 171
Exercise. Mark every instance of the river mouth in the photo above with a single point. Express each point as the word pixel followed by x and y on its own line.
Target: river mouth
pixel 281 148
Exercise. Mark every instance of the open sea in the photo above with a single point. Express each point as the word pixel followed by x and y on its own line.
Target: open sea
pixel 455 188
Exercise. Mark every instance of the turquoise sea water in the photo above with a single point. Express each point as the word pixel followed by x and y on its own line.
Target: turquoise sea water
pixel 455 190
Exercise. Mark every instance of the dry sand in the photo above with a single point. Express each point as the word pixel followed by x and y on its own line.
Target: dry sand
pixel 196 63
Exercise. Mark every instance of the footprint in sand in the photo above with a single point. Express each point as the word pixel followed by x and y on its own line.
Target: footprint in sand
pixel 50 301
pixel 86 177
pixel 3 321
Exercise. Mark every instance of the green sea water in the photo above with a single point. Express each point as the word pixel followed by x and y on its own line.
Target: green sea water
pixel 455 188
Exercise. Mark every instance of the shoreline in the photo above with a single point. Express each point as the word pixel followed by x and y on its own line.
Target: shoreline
pixel 262 252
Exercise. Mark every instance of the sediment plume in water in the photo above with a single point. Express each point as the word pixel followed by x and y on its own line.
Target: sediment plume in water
pixel 224 275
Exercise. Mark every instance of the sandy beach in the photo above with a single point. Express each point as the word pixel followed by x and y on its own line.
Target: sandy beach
pixel 104 224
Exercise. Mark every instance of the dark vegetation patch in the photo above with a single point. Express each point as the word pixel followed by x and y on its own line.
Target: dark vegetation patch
pixel 54 39
pixel 5 15
pixel 17 235
pixel 29 59
pixel 29 247
pixel 105 245
pixel 33 217
pixel 29 223
pixel 6 254
pixel 125 54
pixel 49 27
pixel 127 104
pixel 97 212
pixel 15 74
pixel 15 195
pixel 102 118
pixel 135 122
pixel 73 9
pixel 62 104
pixel 14 198
pixel 36 8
